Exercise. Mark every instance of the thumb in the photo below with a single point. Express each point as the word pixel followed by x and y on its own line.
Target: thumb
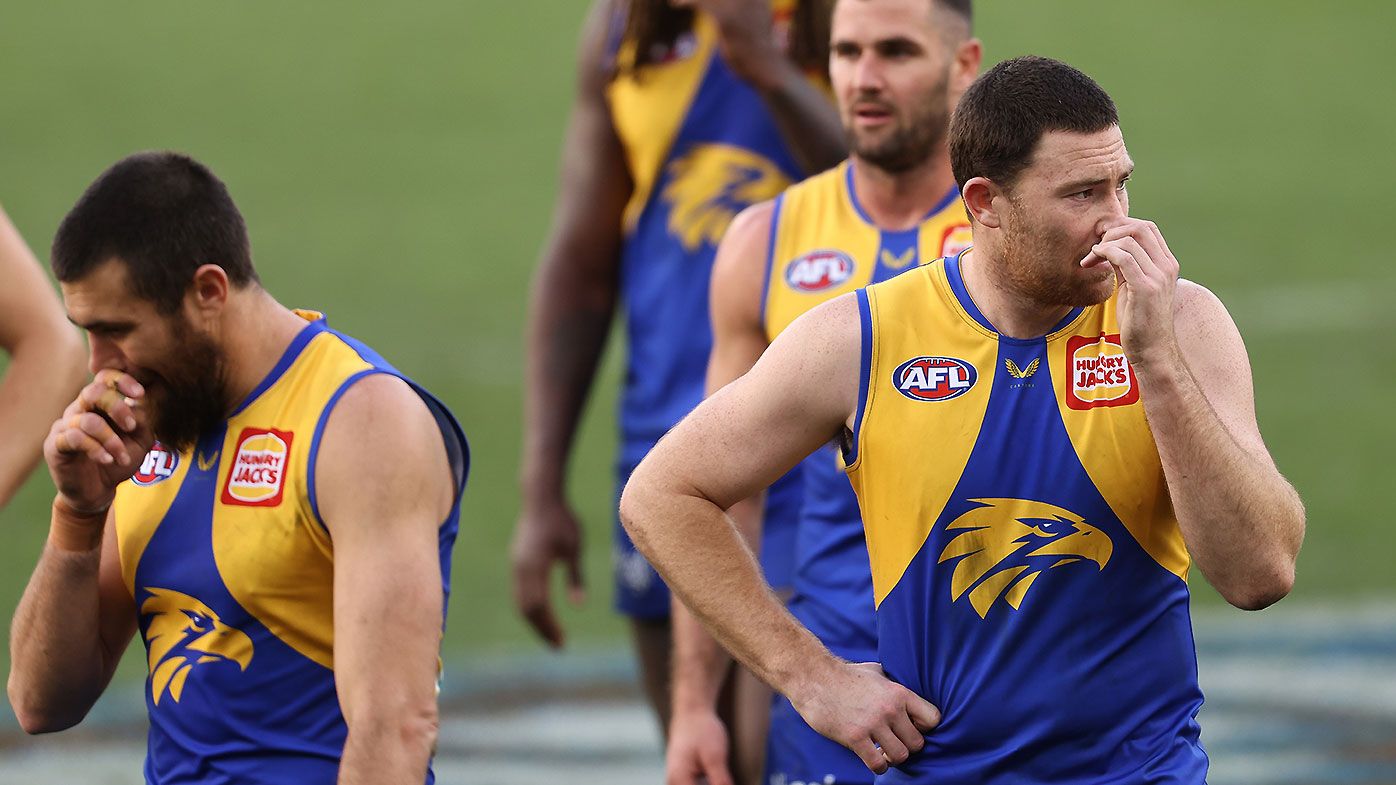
pixel 922 712
pixel 576 587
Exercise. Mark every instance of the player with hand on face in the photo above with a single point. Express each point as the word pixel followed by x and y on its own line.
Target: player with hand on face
pixel 1044 432
pixel 686 113
pixel 266 501
pixel 898 67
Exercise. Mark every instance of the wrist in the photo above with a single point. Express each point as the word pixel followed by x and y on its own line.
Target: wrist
pixel 763 67
pixel 76 530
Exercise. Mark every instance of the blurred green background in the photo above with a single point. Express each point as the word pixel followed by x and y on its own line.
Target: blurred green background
pixel 396 165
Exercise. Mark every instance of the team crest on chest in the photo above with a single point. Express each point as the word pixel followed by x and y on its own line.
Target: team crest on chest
pixel 183 634
pixel 1003 546
pixel 1098 373
pixel 257 477
pixel 819 271
pixel 934 378
pixel 159 464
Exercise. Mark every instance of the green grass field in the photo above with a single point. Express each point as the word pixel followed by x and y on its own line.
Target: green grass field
pixel 396 167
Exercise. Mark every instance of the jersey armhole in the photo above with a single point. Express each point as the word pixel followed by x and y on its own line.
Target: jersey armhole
pixel 770 260
pixel 457 449
pixel 852 454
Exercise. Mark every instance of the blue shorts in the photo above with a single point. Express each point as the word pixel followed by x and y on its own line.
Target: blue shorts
pixel 797 754
pixel 641 593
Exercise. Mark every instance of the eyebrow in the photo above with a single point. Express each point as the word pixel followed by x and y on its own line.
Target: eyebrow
pixel 102 326
pixel 1079 185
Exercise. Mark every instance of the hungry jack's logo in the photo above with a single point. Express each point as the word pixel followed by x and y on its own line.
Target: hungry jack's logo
pixel 1004 545
pixel 1098 373
pixel 257 476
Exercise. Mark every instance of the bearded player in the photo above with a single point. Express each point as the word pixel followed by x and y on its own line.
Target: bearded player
pixel 1044 432
pixel 897 67
pixel 267 502
pixel 687 112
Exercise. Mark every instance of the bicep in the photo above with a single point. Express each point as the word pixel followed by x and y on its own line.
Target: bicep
pixel 798 396
pixel 388 595
pixel 594 183
pixel 1216 357
pixel 738 280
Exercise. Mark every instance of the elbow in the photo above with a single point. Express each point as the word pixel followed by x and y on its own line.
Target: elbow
pixel 1262 590
pixel 411 728
pixel 35 717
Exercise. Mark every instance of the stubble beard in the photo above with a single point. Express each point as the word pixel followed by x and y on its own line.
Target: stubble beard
pixel 910 143
pixel 1041 266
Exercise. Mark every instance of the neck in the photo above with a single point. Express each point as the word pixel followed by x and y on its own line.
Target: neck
pixel 901 200
pixel 256 331
pixel 1012 313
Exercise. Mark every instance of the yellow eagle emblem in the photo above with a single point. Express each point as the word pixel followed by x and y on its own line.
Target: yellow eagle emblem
pixel 1005 544
pixel 183 633
pixel 1021 373
pixel 710 184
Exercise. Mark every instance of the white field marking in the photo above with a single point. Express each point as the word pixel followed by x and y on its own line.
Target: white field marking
pixel 1343 305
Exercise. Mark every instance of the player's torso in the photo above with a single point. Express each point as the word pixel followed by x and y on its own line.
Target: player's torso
pixel 824 245
pixel 700 146
pixel 1029 572
pixel 232 570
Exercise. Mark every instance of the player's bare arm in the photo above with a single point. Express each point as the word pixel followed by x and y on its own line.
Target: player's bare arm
pixel 77 616
pixel 570 310
pixel 801 393
pixel 385 486
pixel 698 739
pixel 45 359
pixel 1243 523
pixel 807 119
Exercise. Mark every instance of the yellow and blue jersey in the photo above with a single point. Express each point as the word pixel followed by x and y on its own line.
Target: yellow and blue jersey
pixel 231 569
pixel 822 245
pixel 1029 573
pixel 700 146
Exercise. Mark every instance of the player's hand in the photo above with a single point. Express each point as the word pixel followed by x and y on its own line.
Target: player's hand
pixel 882 722
pixel 1147 273
pixel 99 442
pixel 698 748
pixel 546 533
pixel 746 36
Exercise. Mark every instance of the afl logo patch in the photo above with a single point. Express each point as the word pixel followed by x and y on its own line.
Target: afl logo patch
pixel 258 474
pixel 934 378
pixel 819 271
pixel 1099 373
pixel 159 464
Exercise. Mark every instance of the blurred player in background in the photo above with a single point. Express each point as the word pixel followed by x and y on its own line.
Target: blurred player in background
pixel 686 113
pixel 1044 431
pixel 897 68
pixel 45 359
pixel 283 548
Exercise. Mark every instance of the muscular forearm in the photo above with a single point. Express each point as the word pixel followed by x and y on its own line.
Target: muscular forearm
pixel 57 667
pixel 1241 521
pixel 700 554
pixel 807 120
pixel 44 373
pixel 382 752
pixel 569 322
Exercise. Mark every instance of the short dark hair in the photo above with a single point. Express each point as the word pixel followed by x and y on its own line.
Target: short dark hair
pixel 163 215
pixel 1004 114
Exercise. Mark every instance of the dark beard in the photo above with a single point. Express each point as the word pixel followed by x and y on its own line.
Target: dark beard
pixel 910 145
pixel 190 398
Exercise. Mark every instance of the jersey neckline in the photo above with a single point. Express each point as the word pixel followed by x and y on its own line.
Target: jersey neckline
pixel 312 328
pixel 957 287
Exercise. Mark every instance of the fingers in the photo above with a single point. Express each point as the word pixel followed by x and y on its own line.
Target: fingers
pixel 109 400
pixel 871 755
pixel 531 598
pixel 122 382
pixel 1128 256
pixel 893 748
pixel 86 433
pixel 922 712
pixel 576 588
pixel 714 765
pixel 1149 237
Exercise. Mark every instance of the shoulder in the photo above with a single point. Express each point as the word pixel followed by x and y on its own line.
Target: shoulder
pixel 381 429
pixel 1196 309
